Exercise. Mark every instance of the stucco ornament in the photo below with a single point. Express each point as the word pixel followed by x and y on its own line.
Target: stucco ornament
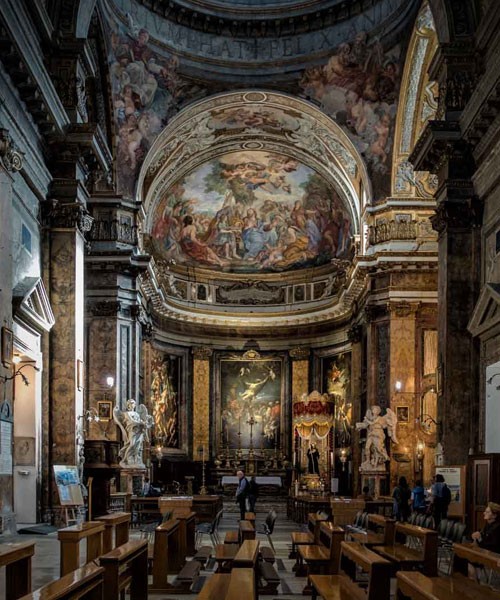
pixel 134 425
pixel 375 455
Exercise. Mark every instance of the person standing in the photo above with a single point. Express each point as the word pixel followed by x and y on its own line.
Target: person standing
pixel 253 492
pixel 401 495
pixel 440 499
pixel 242 493
pixel 418 497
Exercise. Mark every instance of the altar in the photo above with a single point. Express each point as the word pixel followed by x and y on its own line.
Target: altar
pixel 270 485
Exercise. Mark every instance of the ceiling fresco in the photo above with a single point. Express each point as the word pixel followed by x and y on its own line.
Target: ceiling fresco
pixel 355 79
pixel 252 212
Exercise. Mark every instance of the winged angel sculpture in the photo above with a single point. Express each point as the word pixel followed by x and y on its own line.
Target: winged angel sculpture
pixel 375 454
pixel 134 425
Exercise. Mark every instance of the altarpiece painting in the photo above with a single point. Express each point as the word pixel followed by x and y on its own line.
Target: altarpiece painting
pixel 249 412
pixel 164 399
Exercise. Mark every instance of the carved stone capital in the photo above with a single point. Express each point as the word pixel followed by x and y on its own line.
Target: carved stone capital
pixel 299 353
pixel 457 215
pixel 202 353
pixel 10 156
pixel 403 309
pixel 105 308
pixel 68 216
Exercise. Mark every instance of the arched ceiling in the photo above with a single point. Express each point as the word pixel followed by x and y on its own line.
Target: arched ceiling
pixel 251 206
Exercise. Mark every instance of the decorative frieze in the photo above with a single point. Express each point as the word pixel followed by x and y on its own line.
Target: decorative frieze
pixel 106 308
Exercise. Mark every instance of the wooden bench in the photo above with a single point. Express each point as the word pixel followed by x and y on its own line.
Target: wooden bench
pixel 420 587
pixel 84 583
pixel 353 557
pixel 16 558
pixel 224 556
pixel 166 559
pixel 232 537
pixel 302 538
pixel 187 534
pixel 116 526
pixel 384 537
pixel 237 585
pixel 70 538
pixel 417 586
pixel 407 559
pixel 126 567
pixel 250 516
pixel 322 558
pixel 247 531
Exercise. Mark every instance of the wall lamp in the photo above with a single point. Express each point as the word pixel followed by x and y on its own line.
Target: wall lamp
pixel 16 372
pixel 420 454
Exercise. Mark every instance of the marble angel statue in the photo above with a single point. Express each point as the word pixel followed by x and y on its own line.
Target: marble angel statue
pixel 375 454
pixel 134 425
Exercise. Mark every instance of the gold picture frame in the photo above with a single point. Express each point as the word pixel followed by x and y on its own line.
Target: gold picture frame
pixel 105 410
pixel 7 347
pixel 403 414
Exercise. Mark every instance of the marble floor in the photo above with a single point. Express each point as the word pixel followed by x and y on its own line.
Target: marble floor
pixel 46 560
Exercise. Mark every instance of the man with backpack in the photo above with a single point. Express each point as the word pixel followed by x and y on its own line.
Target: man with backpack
pixel 440 499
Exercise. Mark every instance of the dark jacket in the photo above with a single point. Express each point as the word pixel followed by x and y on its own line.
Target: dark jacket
pixel 253 488
pixel 490 537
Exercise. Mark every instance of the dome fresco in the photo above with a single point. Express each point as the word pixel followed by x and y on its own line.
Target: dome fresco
pixel 251 212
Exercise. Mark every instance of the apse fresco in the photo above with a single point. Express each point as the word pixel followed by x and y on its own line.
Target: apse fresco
pixel 252 212
pixel 359 88
pixel 163 399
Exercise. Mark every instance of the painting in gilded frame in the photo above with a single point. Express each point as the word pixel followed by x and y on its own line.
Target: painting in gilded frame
pixel 163 398
pixel 250 411
pixel 336 381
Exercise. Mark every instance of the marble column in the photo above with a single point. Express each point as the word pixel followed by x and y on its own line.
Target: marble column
pixel 68 222
pixel 201 401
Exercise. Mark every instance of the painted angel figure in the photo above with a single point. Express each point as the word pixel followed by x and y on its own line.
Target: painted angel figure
pixel 375 453
pixel 134 425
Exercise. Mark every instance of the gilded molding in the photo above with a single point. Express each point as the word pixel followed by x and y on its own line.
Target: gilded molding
pixel 202 353
pixel 299 353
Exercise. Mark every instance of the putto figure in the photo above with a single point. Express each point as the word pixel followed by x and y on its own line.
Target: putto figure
pixel 375 454
pixel 134 425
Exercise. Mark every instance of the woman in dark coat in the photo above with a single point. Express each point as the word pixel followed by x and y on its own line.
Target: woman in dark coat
pixel 401 495
pixel 489 536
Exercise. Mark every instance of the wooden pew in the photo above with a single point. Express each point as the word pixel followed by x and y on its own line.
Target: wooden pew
pixel 16 558
pixel 417 586
pixel 246 558
pixel 116 526
pixel 237 585
pixel 167 559
pixel 372 538
pixel 406 559
pixel 471 552
pixel 247 531
pixel 301 538
pixel 322 558
pixel 224 556
pixel 458 585
pixel 165 554
pixel 250 516
pixel 70 538
pixel 187 534
pixel 86 583
pixel 354 555
pixel 126 567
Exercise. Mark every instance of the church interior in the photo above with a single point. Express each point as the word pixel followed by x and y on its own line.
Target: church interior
pixel 250 299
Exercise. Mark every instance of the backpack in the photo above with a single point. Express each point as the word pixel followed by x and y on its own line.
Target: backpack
pixel 253 488
pixel 446 495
